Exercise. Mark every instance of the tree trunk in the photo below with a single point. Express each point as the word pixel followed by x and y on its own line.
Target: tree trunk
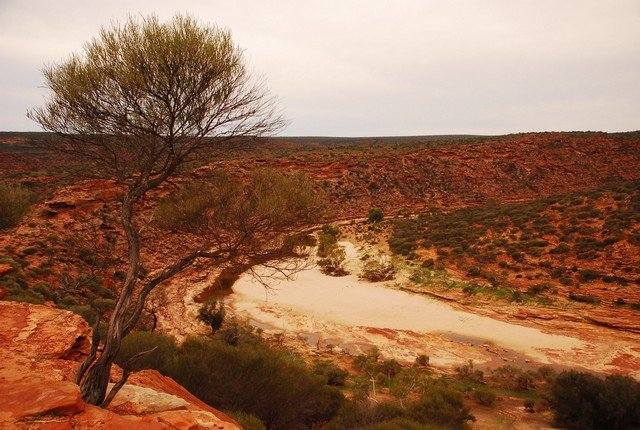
pixel 94 386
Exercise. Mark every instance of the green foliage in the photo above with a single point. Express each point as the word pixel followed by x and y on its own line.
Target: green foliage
pixel 375 215
pixel 14 204
pixel 513 378
pixel 270 202
pixel 583 401
pixel 422 360
pixel 401 424
pixel 377 270
pixel 247 421
pixel 332 374
pixel 588 275
pixel 185 210
pixel 529 404
pixel 469 373
pixel 212 313
pixel 403 241
pixel 441 405
pixel 219 374
pixel 140 341
pixel 364 414
pixel 583 298
pixel 327 240
pixel 331 255
pixel 484 396
pixel 524 237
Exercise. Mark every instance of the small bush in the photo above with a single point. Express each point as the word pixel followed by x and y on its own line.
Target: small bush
pixel 332 374
pixel 562 248
pixel 442 406
pixel 529 404
pixel 14 204
pixel 400 424
pixel 588 275
pixel 377 270
pixel 484 396
pixel 583 298
pixel 375 215
pixel 212 313
pixel 422 360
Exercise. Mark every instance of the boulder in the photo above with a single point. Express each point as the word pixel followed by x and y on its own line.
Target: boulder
pixel 30 397
pixel 137 400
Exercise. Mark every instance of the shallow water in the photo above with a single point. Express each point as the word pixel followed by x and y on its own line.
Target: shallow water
pixel 347 301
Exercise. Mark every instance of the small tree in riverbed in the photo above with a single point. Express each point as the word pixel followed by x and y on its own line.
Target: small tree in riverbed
pixel 141 100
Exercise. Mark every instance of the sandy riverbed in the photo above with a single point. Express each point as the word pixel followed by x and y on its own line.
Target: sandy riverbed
pixel 351 311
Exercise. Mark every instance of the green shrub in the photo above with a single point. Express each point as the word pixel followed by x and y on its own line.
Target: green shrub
pixel 104 306
pixel 219 374
pixel 332 374
pixel 442 406
pixel 583 298
pixel 529 404
pixel 42 289
pixel 139 341
pixel 247 421
pixel 401 424
pixel 85 311
pixel 539 288
pixel 26 296
pixel 562 248
pixel 212 313
pixel 583 401
pixel 377 270
pixel 375 215
pixel 14 204
pixel 327 240
pixel 588 275
pixel 422 360
pixel 484 396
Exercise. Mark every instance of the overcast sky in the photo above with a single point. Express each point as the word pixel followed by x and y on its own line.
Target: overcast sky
pixel 373 67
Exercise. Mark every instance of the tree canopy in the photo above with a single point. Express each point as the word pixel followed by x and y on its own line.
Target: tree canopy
pixel 138 101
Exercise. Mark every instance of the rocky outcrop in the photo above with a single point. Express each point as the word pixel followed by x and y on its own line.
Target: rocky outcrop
pixel 40 350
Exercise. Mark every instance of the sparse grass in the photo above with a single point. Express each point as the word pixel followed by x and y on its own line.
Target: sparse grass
pixel 14 204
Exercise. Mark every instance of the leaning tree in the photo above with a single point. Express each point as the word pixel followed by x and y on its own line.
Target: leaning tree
pixel 139 101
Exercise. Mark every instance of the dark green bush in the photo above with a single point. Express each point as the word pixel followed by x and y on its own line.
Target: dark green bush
pixel 332 374
pixel 484 396
pixel 212 313
pixel 139 341
pixel 364 414
pixel 584 401
pixel 289 396
pixel 401 424
pixel 247 421
pixel 375 215
pixel 441 405
pixel 588 275
pixel 562 248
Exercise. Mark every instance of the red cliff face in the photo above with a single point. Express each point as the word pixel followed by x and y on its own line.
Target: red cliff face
pixel 40 350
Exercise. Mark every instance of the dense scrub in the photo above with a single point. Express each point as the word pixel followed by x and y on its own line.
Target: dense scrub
pixel 586 402
pixel 536 247
pixel 237 371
